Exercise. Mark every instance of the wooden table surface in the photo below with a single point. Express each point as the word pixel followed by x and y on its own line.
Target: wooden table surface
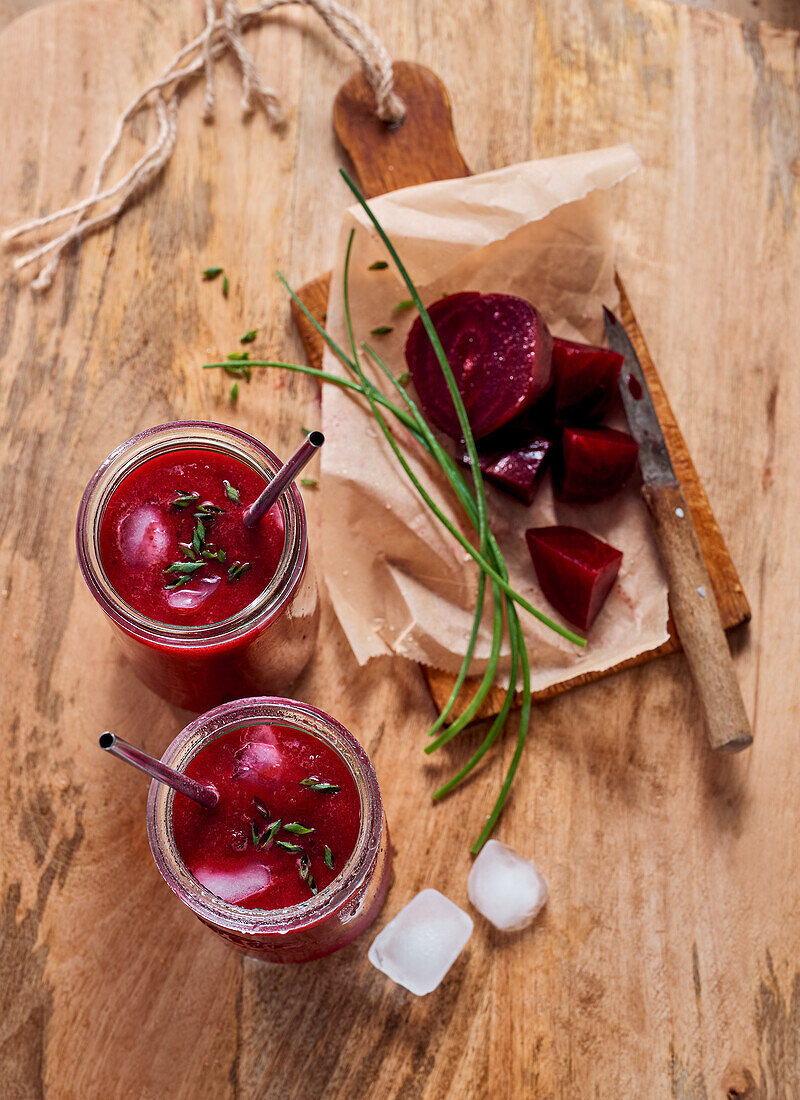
pixel 666 961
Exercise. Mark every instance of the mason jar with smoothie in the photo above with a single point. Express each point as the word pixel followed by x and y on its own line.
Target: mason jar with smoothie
pixel 206 608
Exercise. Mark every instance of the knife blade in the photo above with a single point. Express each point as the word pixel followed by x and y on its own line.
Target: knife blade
pixel 691 595
pixel 645 427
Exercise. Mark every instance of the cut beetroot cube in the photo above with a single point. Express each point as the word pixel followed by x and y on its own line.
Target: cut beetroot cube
pixel 576 571
pixel 585 378
pixel 594 463
pixel 516 466
pixel 499 350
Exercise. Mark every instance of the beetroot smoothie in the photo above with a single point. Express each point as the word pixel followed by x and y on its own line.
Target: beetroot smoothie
pixel 286 822
pixel 173 544
pixel 204 608
pixel 294 861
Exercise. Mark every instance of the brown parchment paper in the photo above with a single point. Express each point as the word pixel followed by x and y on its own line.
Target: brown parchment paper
pixel 398 581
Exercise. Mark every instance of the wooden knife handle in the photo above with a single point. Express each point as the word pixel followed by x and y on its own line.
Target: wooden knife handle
pixel 696 615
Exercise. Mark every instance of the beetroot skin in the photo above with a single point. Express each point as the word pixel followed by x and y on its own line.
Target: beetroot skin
pixel 585 378
pixel 576 571
pixel 500 351
pixel 594 464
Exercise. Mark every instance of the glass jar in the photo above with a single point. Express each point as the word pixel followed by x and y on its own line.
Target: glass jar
pixel 262 648
pixel 321 924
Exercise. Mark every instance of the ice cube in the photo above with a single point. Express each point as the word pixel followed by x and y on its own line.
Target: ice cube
pixel 234 886
pixel 144 536
pixel 190 596
pixel 419 946
pixel 505 887
pixel 260 754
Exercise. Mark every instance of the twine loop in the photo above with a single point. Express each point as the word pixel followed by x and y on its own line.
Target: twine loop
pixel 225 25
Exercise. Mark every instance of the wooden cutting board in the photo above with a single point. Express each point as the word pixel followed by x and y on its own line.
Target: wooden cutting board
pixel 424 148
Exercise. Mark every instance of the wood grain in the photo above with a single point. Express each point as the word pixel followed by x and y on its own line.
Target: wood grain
pixel 665 963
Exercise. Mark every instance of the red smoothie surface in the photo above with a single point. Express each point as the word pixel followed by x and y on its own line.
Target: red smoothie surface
pixel 242 849
pixel 172 555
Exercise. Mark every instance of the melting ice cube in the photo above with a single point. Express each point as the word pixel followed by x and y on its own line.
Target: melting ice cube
pixel 190 596
pixel 144 536
pixel 260 754
pixel 419 946
pixel 505 887
pixel 234 886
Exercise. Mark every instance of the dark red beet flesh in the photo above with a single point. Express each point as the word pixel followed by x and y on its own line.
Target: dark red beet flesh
pixel 500 352
pixel 594 463
pixel 516 466
pixel 576 571
pixel 585 379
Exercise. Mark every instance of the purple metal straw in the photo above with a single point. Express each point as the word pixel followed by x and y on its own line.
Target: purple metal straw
pixel 284 477
pixel 206 796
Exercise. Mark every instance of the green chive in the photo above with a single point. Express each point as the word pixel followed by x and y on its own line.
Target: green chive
pixel 328 857
pixel 297 828
pixel 379 265
pixel 404 378
pixel 312 884
pixel 225 286
pixel 255 834
pixel 212 273
pixel 381 330
pixel 270 834
pixel 238 356
pixel 248 337
pixel 184 567
pixel 188 551
pixel 306 431
pixel 234 391
pixel 237 569
pixel 308 482
pixel 230 492
pixel 185 500
pixel 288 846
pixel 214 555
pixel 304 867
pixel 262 809
pixel 208 511
pixel 315 784
pixel 407 303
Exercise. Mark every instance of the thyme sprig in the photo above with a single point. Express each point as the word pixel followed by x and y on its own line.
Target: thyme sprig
pixel 493 571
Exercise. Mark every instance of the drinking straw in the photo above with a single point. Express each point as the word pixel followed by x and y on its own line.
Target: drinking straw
pixel 283 478
pixel 206 796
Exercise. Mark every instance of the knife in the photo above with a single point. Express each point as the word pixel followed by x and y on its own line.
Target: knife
pixel 694 607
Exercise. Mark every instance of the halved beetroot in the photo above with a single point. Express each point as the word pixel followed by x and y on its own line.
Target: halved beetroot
pixel 516 466
pixel 576 571
pixel 594 463
pixel 585 378
pixel 500 351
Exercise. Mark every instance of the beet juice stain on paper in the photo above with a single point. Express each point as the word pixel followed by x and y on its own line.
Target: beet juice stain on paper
pixel 398 581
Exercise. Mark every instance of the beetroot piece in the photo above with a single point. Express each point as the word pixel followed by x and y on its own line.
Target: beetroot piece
pixel 594 464
pixel 576 571
pixel 516 467
pixel 585 380
pixel 500 352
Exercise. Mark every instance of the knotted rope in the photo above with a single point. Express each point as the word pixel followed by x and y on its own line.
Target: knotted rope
pixel 222 34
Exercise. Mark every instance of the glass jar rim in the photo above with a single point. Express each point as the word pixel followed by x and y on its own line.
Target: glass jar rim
pixel 140 448
pixel 332 898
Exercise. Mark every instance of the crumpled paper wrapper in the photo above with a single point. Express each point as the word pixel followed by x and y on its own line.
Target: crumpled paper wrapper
pixel 398 581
